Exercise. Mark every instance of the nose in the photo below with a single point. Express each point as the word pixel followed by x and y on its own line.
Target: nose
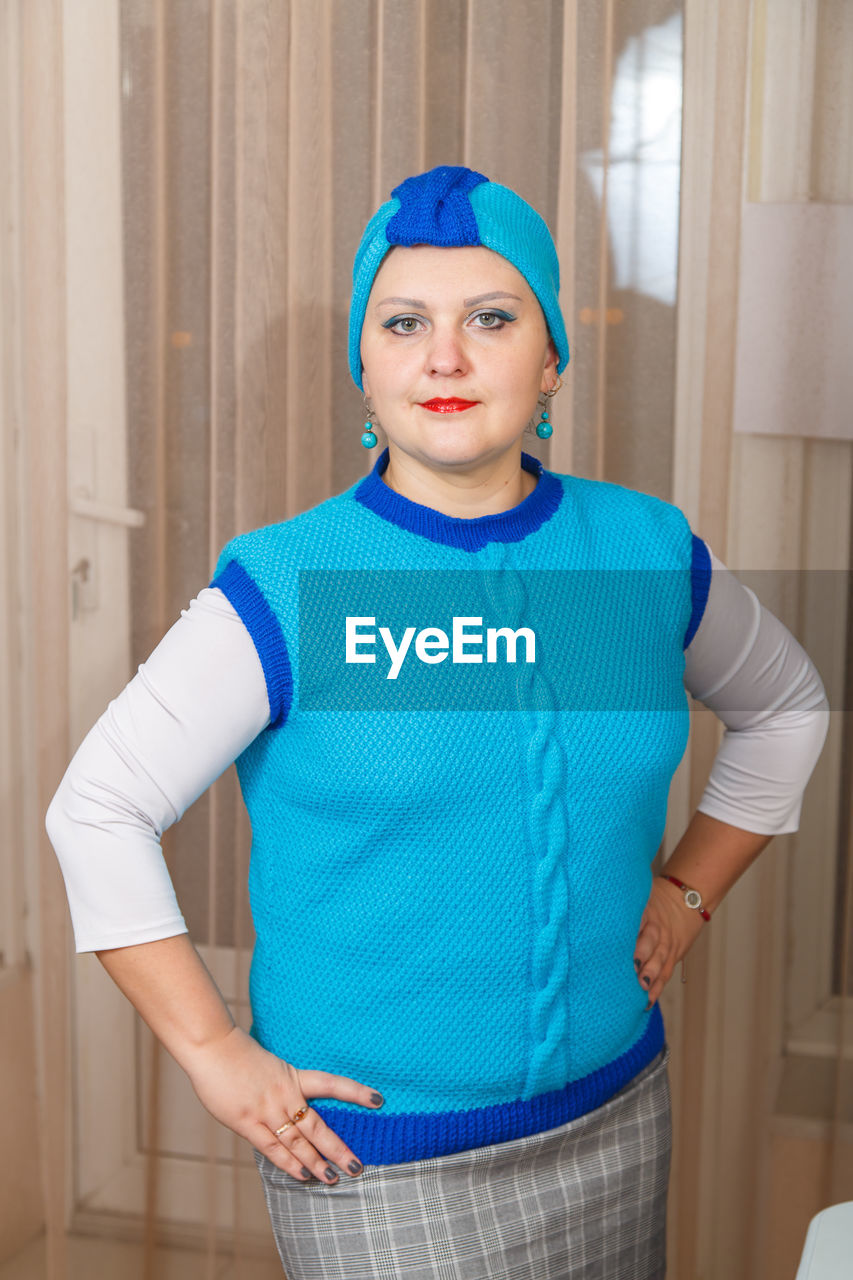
pixel 445 354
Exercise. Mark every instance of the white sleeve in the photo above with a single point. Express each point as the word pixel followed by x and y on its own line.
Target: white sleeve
pixel 748 668
pixel 197 702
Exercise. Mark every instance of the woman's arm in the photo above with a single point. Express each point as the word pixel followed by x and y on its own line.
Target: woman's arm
pixel 194 706
pixel 748 668
pixel 710 857
pixel 242 1085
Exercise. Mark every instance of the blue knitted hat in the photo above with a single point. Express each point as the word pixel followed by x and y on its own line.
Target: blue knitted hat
pixel 451 206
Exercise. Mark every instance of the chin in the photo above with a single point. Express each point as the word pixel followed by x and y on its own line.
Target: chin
pixel 448 446
pixel 456 452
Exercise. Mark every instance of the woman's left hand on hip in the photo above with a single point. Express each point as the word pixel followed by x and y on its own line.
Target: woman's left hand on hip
pixel 668 930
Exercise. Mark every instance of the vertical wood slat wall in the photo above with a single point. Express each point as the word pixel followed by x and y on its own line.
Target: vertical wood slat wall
pixel 22 1198
pixel 38 388
pixel 765 103
pixel 800 145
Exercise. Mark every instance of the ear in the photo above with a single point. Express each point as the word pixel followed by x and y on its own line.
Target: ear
pixel 549 371
pixel 364 383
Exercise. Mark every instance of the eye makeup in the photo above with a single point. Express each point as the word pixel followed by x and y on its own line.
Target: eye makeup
pixel 505 317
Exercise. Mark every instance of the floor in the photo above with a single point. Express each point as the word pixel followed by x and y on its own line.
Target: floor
pixel 91 1259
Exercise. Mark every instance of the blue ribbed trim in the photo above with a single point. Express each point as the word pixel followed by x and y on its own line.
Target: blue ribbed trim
pixel 456 531
pixel 379 1139
pixel 263 626
pixel 700 585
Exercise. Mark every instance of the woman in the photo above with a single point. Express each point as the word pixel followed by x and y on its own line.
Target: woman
pixel 457 1065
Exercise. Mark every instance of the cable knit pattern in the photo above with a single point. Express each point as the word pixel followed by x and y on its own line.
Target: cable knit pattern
pixel 435 209
pixel 446 900
pixel 544 762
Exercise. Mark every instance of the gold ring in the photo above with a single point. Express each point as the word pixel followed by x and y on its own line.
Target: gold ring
pixel 301 1113
pixel 282 1128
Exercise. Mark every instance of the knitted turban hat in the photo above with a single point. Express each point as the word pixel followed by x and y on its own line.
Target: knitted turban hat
pixel 452 206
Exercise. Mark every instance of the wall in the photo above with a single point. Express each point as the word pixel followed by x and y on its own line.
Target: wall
pixel 21 1215
pixel 768 118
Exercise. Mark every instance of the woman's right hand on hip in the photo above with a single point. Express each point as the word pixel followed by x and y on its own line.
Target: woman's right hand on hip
pixel 267 1101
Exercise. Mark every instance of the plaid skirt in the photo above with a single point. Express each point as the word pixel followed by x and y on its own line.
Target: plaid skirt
pixel 585 1200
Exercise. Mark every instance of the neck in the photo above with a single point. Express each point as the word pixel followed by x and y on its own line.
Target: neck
pixel 481 491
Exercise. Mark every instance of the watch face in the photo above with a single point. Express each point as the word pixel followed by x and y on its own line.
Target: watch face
pixel 692 898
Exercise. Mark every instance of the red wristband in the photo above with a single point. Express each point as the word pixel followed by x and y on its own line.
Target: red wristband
pixel 692 897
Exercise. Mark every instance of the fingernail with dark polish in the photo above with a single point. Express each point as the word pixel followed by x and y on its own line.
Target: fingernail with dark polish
pixel 306 1173
pixel 637 965
pixel 377 1099
pixel 647 981
pixel 648 1006
pixel 330 1174
pixel 355 1167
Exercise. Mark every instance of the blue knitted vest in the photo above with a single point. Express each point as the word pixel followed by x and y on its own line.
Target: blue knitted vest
pixel 447 891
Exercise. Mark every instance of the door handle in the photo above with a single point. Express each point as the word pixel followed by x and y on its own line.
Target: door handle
pixel 89 509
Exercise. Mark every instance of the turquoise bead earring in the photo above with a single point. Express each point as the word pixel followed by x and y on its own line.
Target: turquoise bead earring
pixel 368 436
pixel 543 427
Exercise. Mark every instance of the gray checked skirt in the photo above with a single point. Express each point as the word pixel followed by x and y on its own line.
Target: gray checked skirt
pixel 586 1200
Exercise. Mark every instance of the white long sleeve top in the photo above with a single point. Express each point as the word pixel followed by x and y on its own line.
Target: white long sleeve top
pixel 201 698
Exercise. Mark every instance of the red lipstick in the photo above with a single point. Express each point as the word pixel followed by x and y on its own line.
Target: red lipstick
pixel 452 405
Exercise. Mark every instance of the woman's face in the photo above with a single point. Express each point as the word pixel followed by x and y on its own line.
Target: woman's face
pixel 456 352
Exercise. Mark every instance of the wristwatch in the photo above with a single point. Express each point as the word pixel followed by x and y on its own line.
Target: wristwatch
pixel 692 897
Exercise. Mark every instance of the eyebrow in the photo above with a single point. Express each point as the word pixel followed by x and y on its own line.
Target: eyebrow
pixel 489 297
pixel 467 302
pixel 401 302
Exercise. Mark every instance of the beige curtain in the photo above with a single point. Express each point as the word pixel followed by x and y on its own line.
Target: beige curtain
pixel 256 138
